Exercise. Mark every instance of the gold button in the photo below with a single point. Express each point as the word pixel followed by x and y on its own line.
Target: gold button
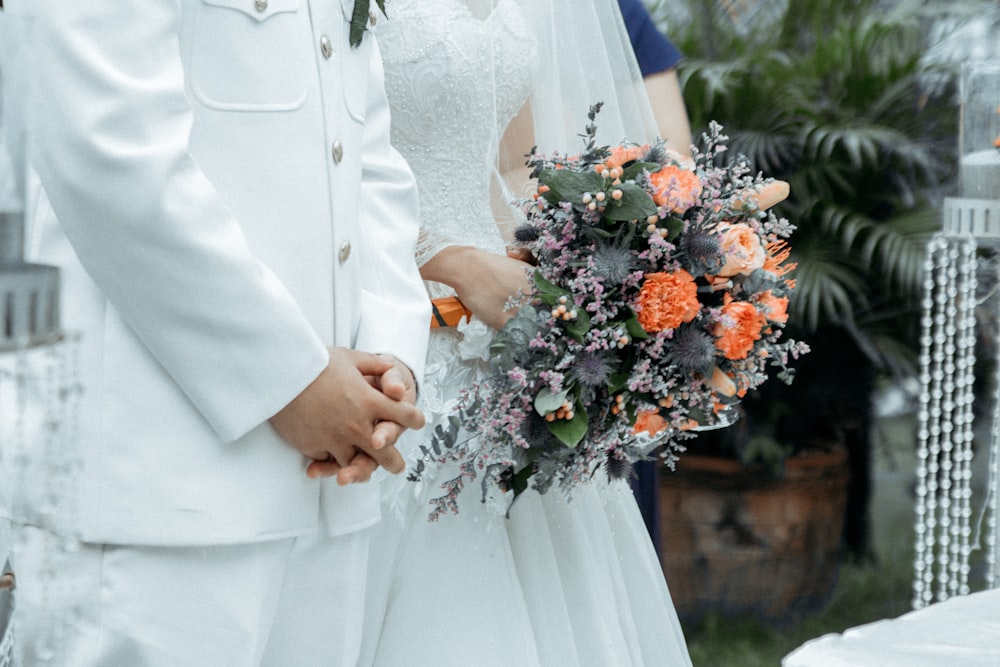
pixel 260 5
pixel 338 151
pixel 372 17
pixel 345 251
pixel 325 46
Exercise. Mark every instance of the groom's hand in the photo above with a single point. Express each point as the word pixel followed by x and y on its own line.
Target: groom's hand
pixel 335 417
pixel 397 383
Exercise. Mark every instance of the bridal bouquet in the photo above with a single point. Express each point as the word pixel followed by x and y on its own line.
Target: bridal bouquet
pixel 659 297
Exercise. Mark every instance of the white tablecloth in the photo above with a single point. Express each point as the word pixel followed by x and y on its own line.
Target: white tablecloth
pixel 960 632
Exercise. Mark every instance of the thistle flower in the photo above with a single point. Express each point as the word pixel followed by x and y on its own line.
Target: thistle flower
pixel 592 369
pixel 535 430
pixel 655 153
pixel 617 465
pixel 526 234
pixel 703 251
pixel 612 263
pixel 693 350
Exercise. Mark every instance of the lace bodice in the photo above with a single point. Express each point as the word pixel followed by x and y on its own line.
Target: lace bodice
pixel 456 74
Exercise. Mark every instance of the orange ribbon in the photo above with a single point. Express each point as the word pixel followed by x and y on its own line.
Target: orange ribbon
pixel 448 312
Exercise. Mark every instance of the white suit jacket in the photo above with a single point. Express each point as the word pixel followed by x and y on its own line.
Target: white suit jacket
pixel 224 205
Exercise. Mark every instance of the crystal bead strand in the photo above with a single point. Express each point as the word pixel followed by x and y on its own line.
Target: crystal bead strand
pixel 965 359
pixel 927 419
pixel 992 573
pixel 945 375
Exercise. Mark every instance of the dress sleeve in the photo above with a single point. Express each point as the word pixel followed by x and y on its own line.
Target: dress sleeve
pixel 653 50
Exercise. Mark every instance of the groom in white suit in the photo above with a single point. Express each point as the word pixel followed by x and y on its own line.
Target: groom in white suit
pixel 236 238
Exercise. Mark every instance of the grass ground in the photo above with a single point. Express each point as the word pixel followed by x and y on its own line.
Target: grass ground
pixel 865 591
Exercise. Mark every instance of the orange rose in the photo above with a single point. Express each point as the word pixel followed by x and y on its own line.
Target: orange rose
pixel 622 154
pixel 742 250
pixel 649 422
pixel 676 187
pixel 775 307
pixel 736 340
pixel 666 300
pixel 722 383
pixel 763 196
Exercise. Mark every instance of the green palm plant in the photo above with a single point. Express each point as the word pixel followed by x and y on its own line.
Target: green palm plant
pixel 838 98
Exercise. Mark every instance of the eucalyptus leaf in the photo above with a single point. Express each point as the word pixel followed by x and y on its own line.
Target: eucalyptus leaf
pixel 546 401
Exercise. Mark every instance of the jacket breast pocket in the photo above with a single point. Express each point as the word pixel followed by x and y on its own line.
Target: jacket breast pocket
pixel 355 65
pixel 250 55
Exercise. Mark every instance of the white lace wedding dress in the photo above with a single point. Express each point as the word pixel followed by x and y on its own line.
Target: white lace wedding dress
pixel 558 583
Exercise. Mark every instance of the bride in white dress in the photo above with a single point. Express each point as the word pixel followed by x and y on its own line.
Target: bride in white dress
pixel 558 583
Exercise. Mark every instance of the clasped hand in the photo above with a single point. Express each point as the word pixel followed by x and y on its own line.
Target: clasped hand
pixel 348 420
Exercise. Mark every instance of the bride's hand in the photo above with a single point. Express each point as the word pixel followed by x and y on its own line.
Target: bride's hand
pixel 483 280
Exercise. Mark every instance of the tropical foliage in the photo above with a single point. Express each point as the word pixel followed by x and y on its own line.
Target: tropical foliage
pixel 841 99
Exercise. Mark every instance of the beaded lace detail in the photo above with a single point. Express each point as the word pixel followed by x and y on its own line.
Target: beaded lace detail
pixel 452 96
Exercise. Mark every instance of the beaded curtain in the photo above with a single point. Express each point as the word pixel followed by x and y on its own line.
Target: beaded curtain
pixel 949 526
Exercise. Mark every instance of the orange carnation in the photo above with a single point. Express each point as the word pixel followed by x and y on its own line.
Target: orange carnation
pixel 666 300
pixel 676 187
pixel 649 422
pixel 775 307
pixel 740 328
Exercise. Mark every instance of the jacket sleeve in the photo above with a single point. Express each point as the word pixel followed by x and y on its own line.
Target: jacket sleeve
pixel 397 320
pixel 109 136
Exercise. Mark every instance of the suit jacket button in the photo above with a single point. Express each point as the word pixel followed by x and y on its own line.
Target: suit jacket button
pixel 345 251
pixel 260 5
pixel 372 17
pixel 338 151
pixel 325 47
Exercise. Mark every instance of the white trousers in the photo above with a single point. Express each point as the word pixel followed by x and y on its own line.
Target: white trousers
pixel 288 603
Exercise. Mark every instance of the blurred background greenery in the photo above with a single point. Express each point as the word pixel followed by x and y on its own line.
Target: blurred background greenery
pixel 855 104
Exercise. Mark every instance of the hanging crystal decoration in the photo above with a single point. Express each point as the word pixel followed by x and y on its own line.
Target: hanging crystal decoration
pixel 947 357
pixel 40 387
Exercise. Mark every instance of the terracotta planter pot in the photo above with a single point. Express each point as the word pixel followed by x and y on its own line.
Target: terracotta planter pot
pixel 736 541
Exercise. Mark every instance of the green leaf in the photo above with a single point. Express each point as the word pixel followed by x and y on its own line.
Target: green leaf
pixel 674 228
pixel 635 329
pixel 617 382
pixel 547 288
pixel 578 328
pixel 519 480
pixel 603 233
pixel 569 186
pixel 635 204
pixel 570 431
pixel 630 172
pixel 549 292
pixel 546 401
pixel 359 20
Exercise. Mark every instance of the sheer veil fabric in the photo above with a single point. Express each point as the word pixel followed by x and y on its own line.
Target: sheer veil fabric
pixel 473 85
